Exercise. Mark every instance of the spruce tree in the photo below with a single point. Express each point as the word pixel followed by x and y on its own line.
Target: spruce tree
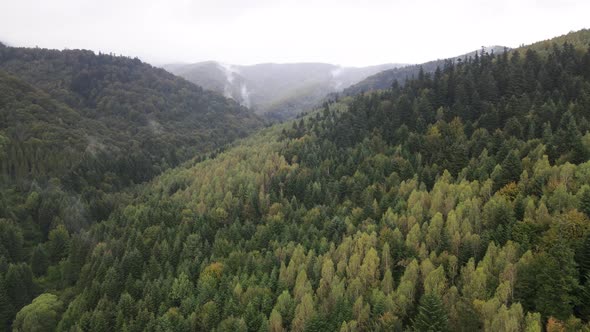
pixel 511 169
pixel 431 316
pixel 585 202
pixel 6 308
pixel 583 260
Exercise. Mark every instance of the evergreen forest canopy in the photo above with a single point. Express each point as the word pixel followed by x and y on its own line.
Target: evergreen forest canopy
pixel 384 79
pixel 78 131
pixel 457 201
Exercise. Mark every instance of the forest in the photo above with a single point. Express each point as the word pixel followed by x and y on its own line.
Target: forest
pixel 79 133
pixel 458 200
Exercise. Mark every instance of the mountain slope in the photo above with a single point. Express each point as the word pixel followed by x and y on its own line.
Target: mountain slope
pixel 136 118
pixel 79 132
pixel 578 39
pixel 22 105
pixel 460 201
pixel 276 90
pixel 384 79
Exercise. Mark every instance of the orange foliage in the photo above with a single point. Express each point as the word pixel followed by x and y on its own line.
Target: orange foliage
pixel 215 269
pixel 555 325
pixel 510 190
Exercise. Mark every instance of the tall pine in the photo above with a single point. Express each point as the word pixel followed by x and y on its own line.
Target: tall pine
pixel 431 316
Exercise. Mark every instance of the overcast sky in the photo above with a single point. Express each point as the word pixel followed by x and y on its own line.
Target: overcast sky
pixel 253 31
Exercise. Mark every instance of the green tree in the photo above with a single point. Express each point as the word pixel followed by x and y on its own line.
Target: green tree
pixel 11 240
pixel 19 284
pixel 511 170
pixel 59 241
pixel 431 316
pixel 285 306
pixel 6 307
pixel 303 312
pixel 548 283
pixel 275 322
pixel 233 324
pixel 181 288
pixel 39 260
pixel 41 315
pixel 585 201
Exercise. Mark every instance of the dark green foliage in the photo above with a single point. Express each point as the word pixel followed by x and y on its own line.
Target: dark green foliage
pixel 39 260
pixel 124 121
pixel 585 201
pixel 77 131
pixel 19 285
pixel 431 316
pixel 439 190
pixel 583 257
pixel 11 241
pixel 511 170
pixel 549 284
pixel 393 77
pixel 7 310
pixel 583 307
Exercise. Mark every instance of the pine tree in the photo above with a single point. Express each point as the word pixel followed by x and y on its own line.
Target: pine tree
pixel 39 260
pixel 275 323
pixel 6 309
pixel 583 307
pixel 19 285
pixel 583 260
pixel 431 316
pixel 568 139
pixel 11 240
pixel 511 170
pixel 316 324
pixel 585 202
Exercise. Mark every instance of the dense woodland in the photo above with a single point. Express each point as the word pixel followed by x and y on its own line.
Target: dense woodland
pixel 458 201
pixel 78 133
pixel 384 79
pixel 105 119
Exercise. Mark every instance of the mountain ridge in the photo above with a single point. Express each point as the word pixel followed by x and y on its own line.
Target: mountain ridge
pixel 93 125
pixel 384 79
pixel 278 90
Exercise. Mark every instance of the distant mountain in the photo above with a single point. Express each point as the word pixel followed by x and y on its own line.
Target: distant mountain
pixel 94 118
pixel 278 90
pixel 384 79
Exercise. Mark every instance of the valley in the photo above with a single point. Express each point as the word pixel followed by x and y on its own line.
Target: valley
pixel 277 91
pixel 448 196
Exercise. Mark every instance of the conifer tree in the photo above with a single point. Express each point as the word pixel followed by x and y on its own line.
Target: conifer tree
pixel 6 307
pixel 585 201
pixel 431 316
pixel 511 170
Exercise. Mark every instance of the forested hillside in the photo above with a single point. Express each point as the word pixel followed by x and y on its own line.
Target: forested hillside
pixel 135 119
pixel 578 39
pixel 384 79
pixel 459 201
pixel 78 131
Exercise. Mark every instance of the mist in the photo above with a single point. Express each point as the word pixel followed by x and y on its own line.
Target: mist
pixel 247 32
